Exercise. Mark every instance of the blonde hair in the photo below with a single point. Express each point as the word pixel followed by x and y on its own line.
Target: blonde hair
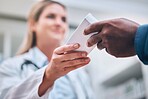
pixel 34 14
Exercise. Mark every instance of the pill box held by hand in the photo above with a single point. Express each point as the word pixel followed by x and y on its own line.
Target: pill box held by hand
pixel 79 37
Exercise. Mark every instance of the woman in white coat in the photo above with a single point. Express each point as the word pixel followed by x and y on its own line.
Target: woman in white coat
pixel 40 61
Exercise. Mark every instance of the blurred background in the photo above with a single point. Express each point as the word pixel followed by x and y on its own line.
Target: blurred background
pixel 112 78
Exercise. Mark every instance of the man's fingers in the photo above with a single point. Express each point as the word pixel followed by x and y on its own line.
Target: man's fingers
pixel 95 27
pixel 100 46
pixel 93 40
pixel 66 48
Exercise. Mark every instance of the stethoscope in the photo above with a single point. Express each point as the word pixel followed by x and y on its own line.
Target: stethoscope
pixel 28 62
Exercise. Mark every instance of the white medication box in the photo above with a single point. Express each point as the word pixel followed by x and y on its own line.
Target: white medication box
pixel 79 37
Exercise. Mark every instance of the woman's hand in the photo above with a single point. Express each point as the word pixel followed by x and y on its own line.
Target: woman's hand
pixel 64 60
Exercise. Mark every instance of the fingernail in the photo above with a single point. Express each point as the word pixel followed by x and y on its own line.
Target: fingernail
pixel 87 60
pixel 88 44
pixel 84 32
pixel 76 45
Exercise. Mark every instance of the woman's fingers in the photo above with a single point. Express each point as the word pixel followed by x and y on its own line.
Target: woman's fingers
pixel 60 69
pixel 73 55
pixel 66 48
pixel 75 62
pixel 66 59
pixel 71 68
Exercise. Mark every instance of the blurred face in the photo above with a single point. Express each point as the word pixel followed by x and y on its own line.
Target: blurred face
pixel 52 25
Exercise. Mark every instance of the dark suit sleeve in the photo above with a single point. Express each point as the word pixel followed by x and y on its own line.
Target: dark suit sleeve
pixel 141 43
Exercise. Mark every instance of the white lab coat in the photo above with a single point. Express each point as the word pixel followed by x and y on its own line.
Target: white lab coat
pixel 75 85
pixel 22 84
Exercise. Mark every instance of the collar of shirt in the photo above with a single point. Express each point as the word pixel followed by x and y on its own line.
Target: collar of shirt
pixel 37 56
